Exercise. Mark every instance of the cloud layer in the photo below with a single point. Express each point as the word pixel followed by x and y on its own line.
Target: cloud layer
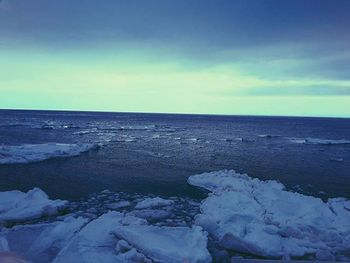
pixel 209 50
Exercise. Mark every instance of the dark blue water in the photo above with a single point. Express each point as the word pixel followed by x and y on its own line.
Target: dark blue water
pixel 155 153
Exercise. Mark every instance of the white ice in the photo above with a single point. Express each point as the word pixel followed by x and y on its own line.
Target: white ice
pixel 40 242
pixel 153 202
pixel 116 237
pixel 262 218
pixel 18 206
pixel 38 152
pixel 167 244
pixel 94 243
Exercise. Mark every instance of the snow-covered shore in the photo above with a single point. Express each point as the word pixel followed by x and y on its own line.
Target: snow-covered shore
pixel 241 215
pixel 16 206
pixel 99 235
pixel 262 218
pixel 116 237
pixel 27 153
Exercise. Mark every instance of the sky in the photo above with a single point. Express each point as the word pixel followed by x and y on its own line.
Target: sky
pixel 239 57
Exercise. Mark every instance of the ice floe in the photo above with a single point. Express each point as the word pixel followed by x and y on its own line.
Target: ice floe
pixel 242 216
pixel 105 236
pixel 94 243
pixel 40 242
pixel 179 213
pixel 38 152
pixel 262 218
pixel 167 244
pixel 114 237
pixel 19 206
pixel 153 202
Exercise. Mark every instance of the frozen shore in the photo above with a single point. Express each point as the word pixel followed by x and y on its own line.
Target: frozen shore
pixel 240 216
pixel 262 218
pixel 16 206
pixel 147 229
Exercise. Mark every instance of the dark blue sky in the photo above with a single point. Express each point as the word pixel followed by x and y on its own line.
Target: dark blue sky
pixel 200 29
pixel 207 23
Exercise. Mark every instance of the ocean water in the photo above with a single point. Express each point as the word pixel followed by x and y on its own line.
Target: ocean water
pixel 156 153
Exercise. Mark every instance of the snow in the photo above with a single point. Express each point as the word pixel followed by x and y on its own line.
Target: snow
pixel 116 237
pixel 262 218
pixel 19 206
pixel 153 202
pixel 241 213
pixel 167 244
pixel 94 243
pixel 40 242
pixel 27 153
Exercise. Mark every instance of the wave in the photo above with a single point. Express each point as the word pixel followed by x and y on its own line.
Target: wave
pixel 151 128
pixel 244 139
pixel 308 140
pixel 55 126
pixel 37 124
pixel 28 153
pixel 320 141
pixel 269 136
pixel 93 130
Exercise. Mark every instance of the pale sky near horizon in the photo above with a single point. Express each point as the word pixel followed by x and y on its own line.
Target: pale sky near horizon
pixel 250 57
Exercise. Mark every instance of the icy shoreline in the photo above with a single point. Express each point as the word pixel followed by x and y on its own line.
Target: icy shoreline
pixel 16 206
pixel 262 218
pixel 142 229
pixel 28 153
pixel 241 216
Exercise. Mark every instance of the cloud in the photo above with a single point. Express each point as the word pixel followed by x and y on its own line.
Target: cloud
pixel 48 80
pixel 311 90
pixel 287 61
pixel 2 4
pixel 211 51
pixel 201 25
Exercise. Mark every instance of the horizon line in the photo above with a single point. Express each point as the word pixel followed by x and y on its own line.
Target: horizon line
pixel 175 113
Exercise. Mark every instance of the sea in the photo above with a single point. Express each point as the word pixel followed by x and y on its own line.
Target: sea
pixel 156 153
